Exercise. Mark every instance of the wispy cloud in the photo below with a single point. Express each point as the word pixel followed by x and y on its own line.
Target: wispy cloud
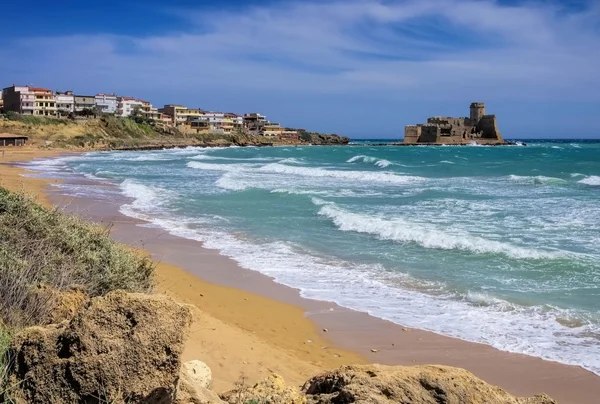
pixel 434 49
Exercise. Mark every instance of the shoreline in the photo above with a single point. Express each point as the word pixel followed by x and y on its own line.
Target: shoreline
pixel 349 330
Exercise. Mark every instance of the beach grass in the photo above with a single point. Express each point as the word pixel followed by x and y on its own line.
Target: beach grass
pixel 44 253
pixel 46 247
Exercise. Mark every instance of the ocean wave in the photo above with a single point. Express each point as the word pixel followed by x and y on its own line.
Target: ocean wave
pixel 339 193
pixel 219 167
pixel 291 160
pixel 383 163
pixel 209 157
pixel 447 162
pixel 381 177
pixel 231 183
pixel 146 199
pixel 424 234
pixel 573 175
pixel 537 180
pixel 533 330
pixel 151 157
pixel 593 180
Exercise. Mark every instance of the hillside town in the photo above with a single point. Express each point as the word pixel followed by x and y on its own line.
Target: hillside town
pixel 43 102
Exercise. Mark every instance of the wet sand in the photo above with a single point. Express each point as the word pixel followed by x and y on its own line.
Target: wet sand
pixel 275 320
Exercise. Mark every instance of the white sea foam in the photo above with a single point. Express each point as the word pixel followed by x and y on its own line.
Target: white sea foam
pixel 530 330
pixel 371 160
pixel 146 199
pixel 593 180
pixel 338 193
pixel 232 183
pixel 291 160
pixel 573 175
pixel 381 177
pixel 537 179
pixel 219 167
pixel 249 159
pixel 447 162
pixel 151 157
pixel 424 234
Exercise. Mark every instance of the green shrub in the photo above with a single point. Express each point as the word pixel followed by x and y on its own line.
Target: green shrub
pixel 45 246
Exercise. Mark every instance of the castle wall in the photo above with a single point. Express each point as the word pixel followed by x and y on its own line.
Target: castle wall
pixel 489 127
pixel 429 134
pixel 448 130
pixel 412 134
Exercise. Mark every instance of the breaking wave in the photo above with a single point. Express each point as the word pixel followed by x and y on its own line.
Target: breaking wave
pixel 424 234
pixel 537 180
pixel 383 163
pixel 593 180
pixel 381 177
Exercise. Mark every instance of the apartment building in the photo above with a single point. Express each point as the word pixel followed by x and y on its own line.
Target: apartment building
pixel 255 123
pixel 127 105
pixel 18 99
pixel 181 114
pixel 272 129
pixel 106 103
pixel 149 112
pixel 87 102
pixel 65 103
pixel 45 101
pixel 232 122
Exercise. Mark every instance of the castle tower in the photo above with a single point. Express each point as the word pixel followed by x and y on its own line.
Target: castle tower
pixel 477 112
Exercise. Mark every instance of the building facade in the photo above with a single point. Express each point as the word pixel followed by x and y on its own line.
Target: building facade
pixel 127 105
pixel 18 99
pixel 106 103
pixel 181 114
pixel 87 102
pixel 65 103
pixel 255 123
pixel 45 101
pixel 272 129
pixel 149 112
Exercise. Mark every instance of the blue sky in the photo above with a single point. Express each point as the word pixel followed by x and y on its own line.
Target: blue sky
pixel 362 68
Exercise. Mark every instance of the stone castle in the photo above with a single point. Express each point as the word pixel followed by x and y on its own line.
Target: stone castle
pixel 479 128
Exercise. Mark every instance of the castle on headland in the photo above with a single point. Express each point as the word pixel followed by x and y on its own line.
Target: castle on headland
pixel 479 128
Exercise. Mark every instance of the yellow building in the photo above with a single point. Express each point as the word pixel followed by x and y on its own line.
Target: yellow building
pixel 149 112
pixel 181 114
pixel 272 130
pixel 44 101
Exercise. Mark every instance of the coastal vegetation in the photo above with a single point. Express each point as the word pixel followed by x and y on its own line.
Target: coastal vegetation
pixel 45 253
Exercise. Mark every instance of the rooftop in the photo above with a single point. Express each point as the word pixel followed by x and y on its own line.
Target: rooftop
pixel 11 136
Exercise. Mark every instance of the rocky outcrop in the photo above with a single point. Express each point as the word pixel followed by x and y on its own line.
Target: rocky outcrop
pixel 380 384
pixel 271 390
pixel 195 381
pixel 117 348
pixel 377 384
pixel 324 139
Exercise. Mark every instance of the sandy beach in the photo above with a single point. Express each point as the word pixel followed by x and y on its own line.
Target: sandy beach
pixel 247 325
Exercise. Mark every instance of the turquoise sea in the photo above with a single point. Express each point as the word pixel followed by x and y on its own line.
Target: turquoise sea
pixel 499 245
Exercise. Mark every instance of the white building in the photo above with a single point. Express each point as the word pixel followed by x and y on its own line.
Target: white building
pixel 214 119
pixel 127 105
pixel 106 103
pixel 65 102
